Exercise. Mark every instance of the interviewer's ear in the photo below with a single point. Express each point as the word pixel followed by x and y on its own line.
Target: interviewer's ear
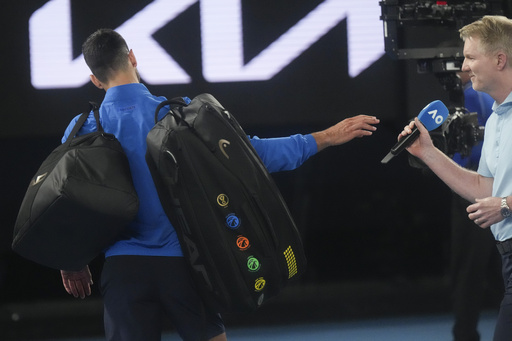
pixel 501 60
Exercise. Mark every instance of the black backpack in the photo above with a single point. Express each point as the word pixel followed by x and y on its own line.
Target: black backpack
pixel 232 222
pixel 79 201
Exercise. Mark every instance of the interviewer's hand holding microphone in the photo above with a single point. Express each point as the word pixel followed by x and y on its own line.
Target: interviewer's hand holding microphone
pixel 430 118
pixel 486 210
pixel 420 146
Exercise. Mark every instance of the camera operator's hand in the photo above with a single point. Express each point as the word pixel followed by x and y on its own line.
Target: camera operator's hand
pixel 422 144
pixel 485 212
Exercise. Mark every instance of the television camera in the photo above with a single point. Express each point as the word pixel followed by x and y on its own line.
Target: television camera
pixel 428 32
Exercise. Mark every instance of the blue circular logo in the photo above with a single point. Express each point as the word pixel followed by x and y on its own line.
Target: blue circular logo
pixel 232 221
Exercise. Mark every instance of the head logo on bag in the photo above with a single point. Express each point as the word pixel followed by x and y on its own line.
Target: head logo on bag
pixel 222 145
pixel 38 179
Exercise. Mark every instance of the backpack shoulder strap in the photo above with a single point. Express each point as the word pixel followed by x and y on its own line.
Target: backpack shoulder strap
pixel 81 120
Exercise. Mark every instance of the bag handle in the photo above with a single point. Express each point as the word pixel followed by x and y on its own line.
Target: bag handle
pixel 175 102
pixel 93 106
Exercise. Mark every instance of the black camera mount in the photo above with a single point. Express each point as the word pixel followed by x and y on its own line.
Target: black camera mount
pixel 428 32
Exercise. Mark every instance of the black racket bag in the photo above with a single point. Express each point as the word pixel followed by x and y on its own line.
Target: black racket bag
pixel 232 222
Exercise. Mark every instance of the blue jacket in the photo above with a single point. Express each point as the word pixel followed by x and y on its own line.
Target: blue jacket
pixel 127 112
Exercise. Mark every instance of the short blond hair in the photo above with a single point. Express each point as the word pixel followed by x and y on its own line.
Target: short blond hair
pixel 494 31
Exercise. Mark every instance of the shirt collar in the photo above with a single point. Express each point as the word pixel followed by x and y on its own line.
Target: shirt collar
pixel 503 107
pixel 124 92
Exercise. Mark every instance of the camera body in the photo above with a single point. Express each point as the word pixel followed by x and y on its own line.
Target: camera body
pixel 459 133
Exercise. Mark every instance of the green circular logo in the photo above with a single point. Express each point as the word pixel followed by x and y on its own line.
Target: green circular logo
pixel 253 264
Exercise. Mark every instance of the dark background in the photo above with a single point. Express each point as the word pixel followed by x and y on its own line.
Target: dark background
pixel 361 221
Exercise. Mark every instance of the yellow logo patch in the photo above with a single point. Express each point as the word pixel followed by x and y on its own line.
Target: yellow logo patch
pixel 290 260
pixel 259 284
pixel 222 200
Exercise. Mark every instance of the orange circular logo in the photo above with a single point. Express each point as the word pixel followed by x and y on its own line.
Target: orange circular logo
pixel 242 243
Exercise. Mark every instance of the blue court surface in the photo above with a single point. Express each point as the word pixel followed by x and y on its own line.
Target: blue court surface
pixel 424 328
pixel 409 310
pixel 431 328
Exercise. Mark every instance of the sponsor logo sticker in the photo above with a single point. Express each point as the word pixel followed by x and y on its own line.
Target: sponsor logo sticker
pixel 242 243
pixel 222 200
pixel 253 264
pixel 232 221
pixel 259 284
pixel 291 262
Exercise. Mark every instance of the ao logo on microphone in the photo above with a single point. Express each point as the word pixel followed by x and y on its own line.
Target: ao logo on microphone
pixel 433 115
pixel 438 119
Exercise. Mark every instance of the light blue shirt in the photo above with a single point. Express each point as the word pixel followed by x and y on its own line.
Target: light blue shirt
pixel 496 159
pixel 128 112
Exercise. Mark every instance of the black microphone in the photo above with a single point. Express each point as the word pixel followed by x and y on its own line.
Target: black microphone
pixel 432 116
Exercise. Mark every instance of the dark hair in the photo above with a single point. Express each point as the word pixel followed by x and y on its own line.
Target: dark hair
pixel 105 51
